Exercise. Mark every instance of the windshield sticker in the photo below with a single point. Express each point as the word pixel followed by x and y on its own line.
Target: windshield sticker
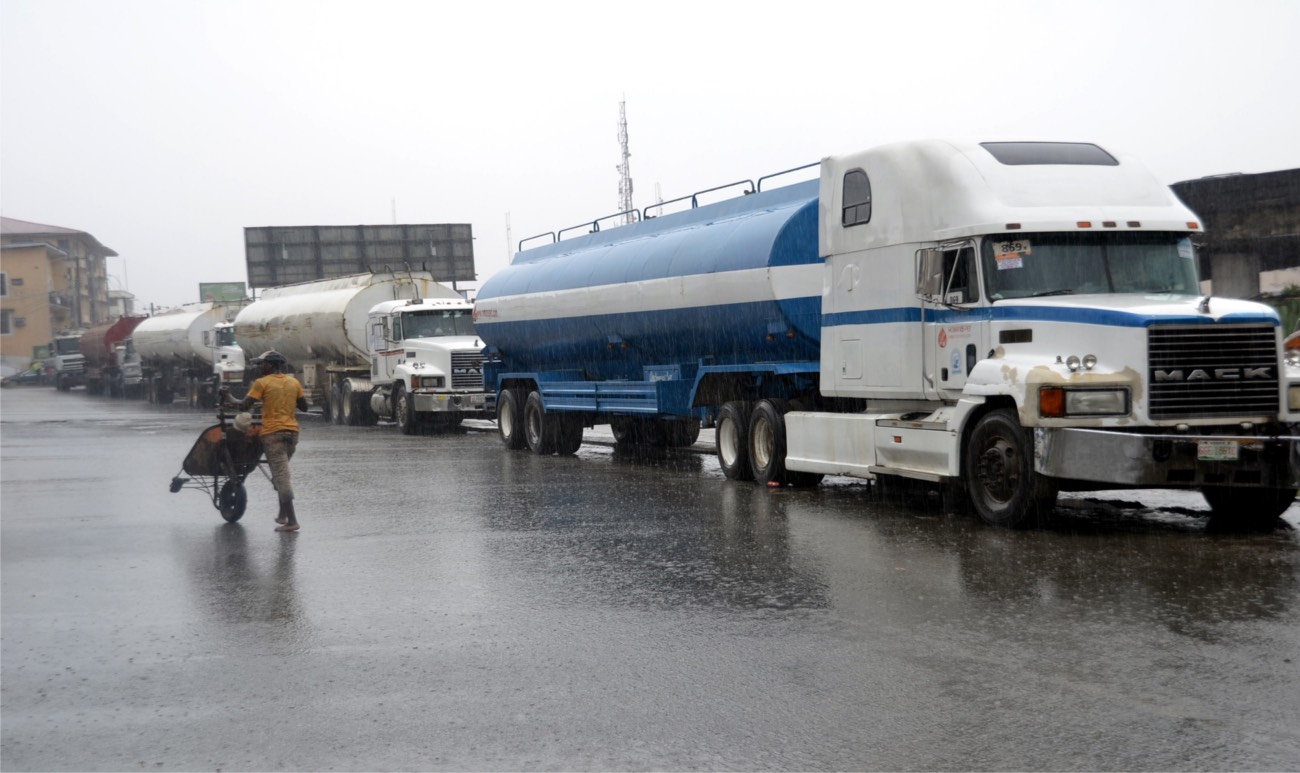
pixel 1185 249
pixel 1011 254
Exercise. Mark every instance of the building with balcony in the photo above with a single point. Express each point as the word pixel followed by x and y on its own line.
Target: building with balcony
pixel 51 279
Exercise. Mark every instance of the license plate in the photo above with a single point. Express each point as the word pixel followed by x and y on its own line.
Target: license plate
pixel 1217 450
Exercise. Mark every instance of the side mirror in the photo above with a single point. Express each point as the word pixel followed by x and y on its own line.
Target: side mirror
pixel 929 275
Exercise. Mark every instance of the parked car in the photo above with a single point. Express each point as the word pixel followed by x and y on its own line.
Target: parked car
pixel 24 378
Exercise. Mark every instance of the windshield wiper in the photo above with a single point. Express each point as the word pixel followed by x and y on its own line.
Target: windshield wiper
pixel 1045 293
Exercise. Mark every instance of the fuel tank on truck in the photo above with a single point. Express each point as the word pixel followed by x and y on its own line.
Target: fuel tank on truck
pixel 738 281
pixel 326 319
pixel 98 343
pixel 177 334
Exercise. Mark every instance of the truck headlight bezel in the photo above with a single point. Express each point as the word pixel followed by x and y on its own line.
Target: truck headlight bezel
pixel 432 382
pixel 1057 402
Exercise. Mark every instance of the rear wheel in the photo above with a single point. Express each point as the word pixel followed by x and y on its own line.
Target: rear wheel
pixel 731 438
pixel 569 436
pixel 232 500
pixel 1246 509
pixel 347 408
pixel 681 434
pixel 999 466
pixel 510 419
pixel 539 430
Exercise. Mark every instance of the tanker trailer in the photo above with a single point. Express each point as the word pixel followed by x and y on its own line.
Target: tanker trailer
pixel 652 327
pixel 111 363
pixel 190 351
pixel 397 346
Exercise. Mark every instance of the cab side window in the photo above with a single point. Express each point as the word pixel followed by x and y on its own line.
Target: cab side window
pixel 962 284
pixel 857 199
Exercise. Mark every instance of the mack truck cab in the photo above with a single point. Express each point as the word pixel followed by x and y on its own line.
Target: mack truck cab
pixel 426 363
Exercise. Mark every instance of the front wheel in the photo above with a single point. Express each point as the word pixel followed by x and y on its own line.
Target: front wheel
pixel 731 440
pixel 404 410
pixel 999 467
pixel 232 500
pixel 1246 509
pixel 510 419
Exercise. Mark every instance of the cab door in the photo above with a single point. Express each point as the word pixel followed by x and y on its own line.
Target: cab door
pixel 383 359
pixel 954 317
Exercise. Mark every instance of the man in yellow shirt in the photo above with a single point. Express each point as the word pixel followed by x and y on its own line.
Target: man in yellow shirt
pixel 281 397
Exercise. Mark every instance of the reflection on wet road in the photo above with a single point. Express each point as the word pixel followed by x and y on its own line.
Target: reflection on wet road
pixel 449 605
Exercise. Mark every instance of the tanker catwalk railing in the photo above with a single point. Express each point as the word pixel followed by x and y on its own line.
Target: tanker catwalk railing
pixel 644 213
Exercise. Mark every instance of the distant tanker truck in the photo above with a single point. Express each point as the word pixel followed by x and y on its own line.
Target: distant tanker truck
pixel 1003 319
pixel 110 363
pixel 190 352
pixel 393 346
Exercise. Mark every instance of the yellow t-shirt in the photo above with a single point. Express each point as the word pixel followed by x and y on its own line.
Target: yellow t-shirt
pixel 279 393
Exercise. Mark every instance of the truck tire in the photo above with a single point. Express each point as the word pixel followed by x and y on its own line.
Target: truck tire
pixel 539 429
pixel 334 404
pixel 510 419
pixel 767 447
pixel 569 436
pixel 731 440
pixel 62 384
pixel 404 411
pixel 349 408
pixel 681 434
pixel 1246 509
pixel 999 465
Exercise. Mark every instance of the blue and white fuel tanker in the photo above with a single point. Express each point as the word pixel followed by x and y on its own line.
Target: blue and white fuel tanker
pixel 1005 319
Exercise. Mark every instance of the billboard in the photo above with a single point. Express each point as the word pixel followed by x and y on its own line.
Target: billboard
pixel 281 255
pixel 222 291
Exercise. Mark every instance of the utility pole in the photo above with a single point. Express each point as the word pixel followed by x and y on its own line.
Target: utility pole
pixel 624 170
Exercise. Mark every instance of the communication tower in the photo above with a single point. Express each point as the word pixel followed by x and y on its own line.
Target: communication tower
pixel 624 170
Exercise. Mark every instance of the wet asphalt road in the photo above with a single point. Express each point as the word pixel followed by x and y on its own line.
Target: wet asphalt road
pixel 453 606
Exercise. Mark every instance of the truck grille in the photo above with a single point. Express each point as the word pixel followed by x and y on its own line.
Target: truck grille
pixel 467 370
pixel 1213 370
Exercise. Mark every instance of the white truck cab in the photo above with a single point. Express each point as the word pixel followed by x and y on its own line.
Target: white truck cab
pixel 426 362
pixel 1027 317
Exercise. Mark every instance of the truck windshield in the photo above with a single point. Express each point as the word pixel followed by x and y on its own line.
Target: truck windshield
pixel 1038 264
pixel 431 324
pixel 67 345
pixel 225 336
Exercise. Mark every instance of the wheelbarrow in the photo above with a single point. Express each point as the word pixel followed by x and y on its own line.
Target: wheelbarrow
pixel 221 459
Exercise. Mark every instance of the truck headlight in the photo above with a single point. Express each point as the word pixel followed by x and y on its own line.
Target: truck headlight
pixel 1293 398
pixel 1292 357
pixel 1058 402
pixel 433 382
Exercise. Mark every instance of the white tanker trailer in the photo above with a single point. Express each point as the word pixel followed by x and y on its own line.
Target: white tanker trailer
pixel 394 346
pixel 190 351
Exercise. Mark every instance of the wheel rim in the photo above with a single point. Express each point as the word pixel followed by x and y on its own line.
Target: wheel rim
pixel 762 443
pixel 728 442
pixel 533 423
pixel 507 419
pixel 999 470
pixel 403 405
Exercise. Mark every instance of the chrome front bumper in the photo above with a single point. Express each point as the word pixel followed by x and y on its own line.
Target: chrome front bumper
pixel 1165 461
pixel 449 403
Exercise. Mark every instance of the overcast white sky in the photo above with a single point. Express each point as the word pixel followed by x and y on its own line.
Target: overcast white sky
pixel 165 127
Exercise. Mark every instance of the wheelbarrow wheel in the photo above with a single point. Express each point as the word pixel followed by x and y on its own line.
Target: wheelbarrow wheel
pixel 232 500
